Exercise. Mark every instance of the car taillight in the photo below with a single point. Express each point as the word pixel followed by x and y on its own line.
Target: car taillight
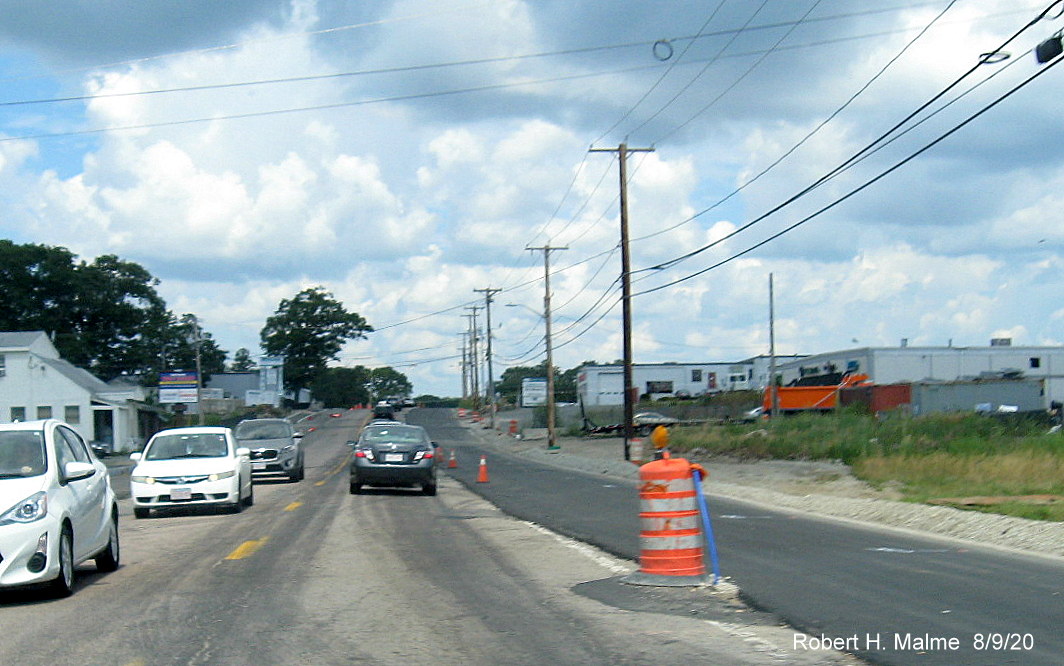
pixel 421 455
pixel 360 454
pixel 364 453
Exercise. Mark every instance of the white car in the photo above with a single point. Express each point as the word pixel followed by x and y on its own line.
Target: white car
pixel 191 467
pixel 57 508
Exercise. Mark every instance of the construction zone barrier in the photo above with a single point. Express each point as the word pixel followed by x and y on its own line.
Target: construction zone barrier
pixel 482 473
pixel 513 427
pixel 461 412
pixel 452 462
pixel 671 539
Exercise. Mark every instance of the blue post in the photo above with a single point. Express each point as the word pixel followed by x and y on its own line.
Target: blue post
pixel 704 510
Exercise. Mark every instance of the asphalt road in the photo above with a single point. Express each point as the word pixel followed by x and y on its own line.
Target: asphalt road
pixel 313 574
pixel 892 597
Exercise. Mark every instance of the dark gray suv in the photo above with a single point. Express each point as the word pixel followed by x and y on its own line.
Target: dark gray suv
pixel 394 454
pixel 275 447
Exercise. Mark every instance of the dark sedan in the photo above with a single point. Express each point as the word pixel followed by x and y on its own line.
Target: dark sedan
pixel 394 454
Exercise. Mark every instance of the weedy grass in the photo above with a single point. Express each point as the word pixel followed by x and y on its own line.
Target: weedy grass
pixel 931 457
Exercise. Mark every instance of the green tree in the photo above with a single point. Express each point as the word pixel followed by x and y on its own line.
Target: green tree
pixel 387 382
pixel 342 387
pixel 105 316
pixel 309 330
pixel 242 361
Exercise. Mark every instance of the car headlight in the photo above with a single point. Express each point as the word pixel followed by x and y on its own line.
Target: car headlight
pixel 142 479
pixel 288 448
pixel 218 476
pixel 28 510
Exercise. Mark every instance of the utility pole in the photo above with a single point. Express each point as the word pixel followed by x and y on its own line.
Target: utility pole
pixel 774 396
pixel 488 293
pixel 626 289
pixel 465 366
pixel 474 333
pixel 552 438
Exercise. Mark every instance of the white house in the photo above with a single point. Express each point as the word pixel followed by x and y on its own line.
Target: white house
pixel 35 383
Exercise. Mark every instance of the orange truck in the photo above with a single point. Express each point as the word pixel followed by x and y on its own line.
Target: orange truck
pixel 811 398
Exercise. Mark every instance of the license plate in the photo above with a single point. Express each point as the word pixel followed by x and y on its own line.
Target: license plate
pixel 394 457
pixel 258 465
pixel 180 493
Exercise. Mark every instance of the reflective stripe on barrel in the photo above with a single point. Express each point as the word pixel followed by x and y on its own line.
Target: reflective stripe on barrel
pixel 670 529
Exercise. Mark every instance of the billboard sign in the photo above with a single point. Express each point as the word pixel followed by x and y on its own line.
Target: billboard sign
pixel 177 387
pixel 533 391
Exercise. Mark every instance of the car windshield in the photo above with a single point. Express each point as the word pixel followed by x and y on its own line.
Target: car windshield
pixel 199 445
pixel 21 454
pixel 262 430
pixel 393 435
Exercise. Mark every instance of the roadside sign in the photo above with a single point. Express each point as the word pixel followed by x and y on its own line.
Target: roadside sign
pixel 177 387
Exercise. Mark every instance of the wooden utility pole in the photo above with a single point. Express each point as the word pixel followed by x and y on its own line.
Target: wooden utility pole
pixel 626 290
pixel 474 334
pixel 552 437
pixel 488 293
pixel 774 396
pixel 465 365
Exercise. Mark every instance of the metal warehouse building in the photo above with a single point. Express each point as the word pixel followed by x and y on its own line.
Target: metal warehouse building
pixel 897 365
pixel 604 384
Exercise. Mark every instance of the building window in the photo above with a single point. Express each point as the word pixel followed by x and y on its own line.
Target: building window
pixel 18 414
pixel 1036 362
pixel 72 414
pixel 696 376
pixel 44 412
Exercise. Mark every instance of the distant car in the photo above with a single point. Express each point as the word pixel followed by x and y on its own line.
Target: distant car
pixel 753 415
pixel 199 466
pixel 397 455
pixel 652 419
pixel 276 447
pixel 57 508
pixel 383 410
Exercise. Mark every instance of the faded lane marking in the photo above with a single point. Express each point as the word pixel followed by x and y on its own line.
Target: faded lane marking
pixel 334 470
pixel 247 549
pixel 293 506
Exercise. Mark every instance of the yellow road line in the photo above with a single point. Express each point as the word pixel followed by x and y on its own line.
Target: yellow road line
pixel 247 549
pixel 293 506
pixel 338 468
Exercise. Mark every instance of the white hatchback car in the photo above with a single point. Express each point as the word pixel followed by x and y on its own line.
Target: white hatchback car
pixel 190 467
pixel 57 508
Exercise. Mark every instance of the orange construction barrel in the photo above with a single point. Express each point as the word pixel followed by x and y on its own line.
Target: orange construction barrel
pixel 670 536
pixel 513 426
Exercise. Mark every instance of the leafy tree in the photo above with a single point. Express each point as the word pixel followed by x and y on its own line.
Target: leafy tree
pixel 509 387
pixel 341 387
pixel 387 382
pixel 309 330
pixel 242 361
pixel 105 316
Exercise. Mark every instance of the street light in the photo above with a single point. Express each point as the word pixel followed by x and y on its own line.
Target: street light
pixel 552 439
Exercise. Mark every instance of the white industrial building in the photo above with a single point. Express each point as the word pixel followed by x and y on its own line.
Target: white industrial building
pixel 897 365
pixel 604 384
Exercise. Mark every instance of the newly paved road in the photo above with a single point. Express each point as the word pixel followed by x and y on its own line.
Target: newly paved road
pixel 890 595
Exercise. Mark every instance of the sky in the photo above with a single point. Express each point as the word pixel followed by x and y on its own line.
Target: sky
pixel 894 180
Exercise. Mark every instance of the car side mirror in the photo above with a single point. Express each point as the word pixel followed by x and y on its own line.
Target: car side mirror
pixel 135 457
pixel 76 470
pixel 352 444
pixel 243 452
pixel 297 435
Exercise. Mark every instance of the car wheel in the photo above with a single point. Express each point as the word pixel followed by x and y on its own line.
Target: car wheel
pixel 295 475
pixel 356 488
pixel 63 585
pixel 140 512
pixel 250 499
pixel 107 559
pixel 429 488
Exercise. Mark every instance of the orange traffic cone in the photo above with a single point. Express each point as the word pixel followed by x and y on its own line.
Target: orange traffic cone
pixel 482 475
pixel 452 462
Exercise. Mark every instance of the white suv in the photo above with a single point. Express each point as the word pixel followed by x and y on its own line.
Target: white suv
pixel 57 508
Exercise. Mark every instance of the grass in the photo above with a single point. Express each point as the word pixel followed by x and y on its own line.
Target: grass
pixel 927 458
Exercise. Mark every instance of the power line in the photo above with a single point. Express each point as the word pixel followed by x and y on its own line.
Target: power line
pixel 863 186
